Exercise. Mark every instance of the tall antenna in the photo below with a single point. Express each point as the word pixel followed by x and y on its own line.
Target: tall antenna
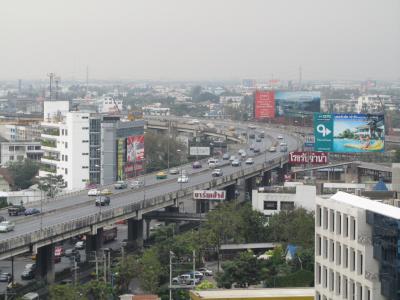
pixel 87 79
pixel 57 80
pixel 51 77
pixel 300 77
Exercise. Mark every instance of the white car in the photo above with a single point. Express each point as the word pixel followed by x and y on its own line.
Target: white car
pixel 136 184
pixel 6 226
pixel 280 137
pixel 249 161
pixel 173 171
pixel 236 163
pixel 79 245
pixel 93 192
pixel 206 271
pixel 183 179
pixel 272 149
pixel 232 158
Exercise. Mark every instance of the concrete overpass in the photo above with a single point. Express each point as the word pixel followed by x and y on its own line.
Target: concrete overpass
pixel 74 215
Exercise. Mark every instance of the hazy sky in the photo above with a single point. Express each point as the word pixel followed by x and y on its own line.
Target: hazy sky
pixel 200 39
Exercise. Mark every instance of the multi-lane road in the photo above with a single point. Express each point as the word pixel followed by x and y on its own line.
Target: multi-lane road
pixel 80 205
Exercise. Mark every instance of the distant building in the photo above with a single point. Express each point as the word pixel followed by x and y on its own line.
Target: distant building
pixel 356 248
pixel 270 202
pixel 109 104
pixel 155 110
pixel 20 132
pixel 19 150
pixel 233 101
pixel 339 105
pixel 372 103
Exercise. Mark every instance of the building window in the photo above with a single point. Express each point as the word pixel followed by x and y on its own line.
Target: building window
pixel 11 148
pixel 85 128
pixel 85 117
pixel 338 254
pixel 353 228
pixel 62 131
pixel 66 131
pixel 66 145
pixel 85 141
pixel 62 157
pixel 360 263
pixel 331 250
pixel 319 216
pixel 11 157
pixel 66 157
pixel 270 205
pixel 352 259
pixel 319 274
pixel 325 248
pixel 20 157
pixel 287 205
pixel 85 153
pixel 332 220
pixel 325 218
pixel 345 256
pixel 345 287
pixel 85 167
pixel 331 280
pixel 346 226
pixel 325 278
pixel 338 223
pixel 319 245
pixel 66 171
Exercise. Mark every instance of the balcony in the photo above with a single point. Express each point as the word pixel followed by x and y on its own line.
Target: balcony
pixel 48 168
pixel 51 131
pixel 50 159
pixel 49 143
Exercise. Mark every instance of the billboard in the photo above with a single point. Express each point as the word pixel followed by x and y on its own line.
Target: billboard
pixel 209 195
pixel 313 158
pixel 349 133
pixel 264 105
pixel 120 159
pixel 199 151
pixel 135 148
pixel 297 104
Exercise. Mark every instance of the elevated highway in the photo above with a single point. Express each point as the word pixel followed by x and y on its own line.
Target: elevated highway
pixel 76 214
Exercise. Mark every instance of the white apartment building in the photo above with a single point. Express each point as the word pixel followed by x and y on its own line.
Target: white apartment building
pixel 234 101
pixel 110 105
pixel 356 248
pixel 20 132
pixel 65 142
pixel 11 151
pixel 270 203
pixel 372 103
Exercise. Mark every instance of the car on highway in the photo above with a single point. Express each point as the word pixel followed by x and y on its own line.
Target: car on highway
pixel 31 211
pixel 206 272
pixel 232 158
pixel 119 185
pixel 30 296
pixel 272 149
pixel 249 161
pixel 258 140
pixel 252 147
pixel 104 192
pixel 5 277
pixel 6 226
pixel 183 179
pixel 102 200
pixel 243 154
pixel 93 192
pixel 262 134
pixel 252 136
pixel 27 274
pixel 184 279
pixel 226 156
pixel 70 252
pixel 256 150
pixel 16 210
pixel 196 165
pixel 80 245
pixel 279 137
pixel 217 173
pixel 173 171
pixel 236 163
pixel 212 163
pixel 161 175
pixel 283 147
pixel 137 184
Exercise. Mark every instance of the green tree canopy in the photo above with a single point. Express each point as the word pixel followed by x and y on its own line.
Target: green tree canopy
pixel 23 173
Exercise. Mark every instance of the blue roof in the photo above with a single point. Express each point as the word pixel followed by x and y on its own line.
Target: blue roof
pixel 380 186
pixel 291 249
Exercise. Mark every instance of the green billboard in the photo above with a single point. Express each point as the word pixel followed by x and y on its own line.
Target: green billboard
pixel 344 133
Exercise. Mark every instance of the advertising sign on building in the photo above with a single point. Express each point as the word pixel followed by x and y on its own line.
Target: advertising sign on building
pixel 349 133
pixel 135 148
pixel 120 159
pixel 313 158
pixel 264 105
pixel 199 151
pixel 209 195
pixel 309 141
pixel 297 104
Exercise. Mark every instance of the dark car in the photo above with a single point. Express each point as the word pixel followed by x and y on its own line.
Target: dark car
pixel 31 211
pixel 196 165
pixel 16 210
pixel 27 274
pixel 256 150
pixel 102 200
pixel 5 277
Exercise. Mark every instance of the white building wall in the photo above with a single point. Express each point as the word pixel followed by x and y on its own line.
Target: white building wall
pixel 343 253
pixel 55 108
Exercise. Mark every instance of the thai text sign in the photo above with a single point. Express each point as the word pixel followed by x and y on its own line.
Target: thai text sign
pixel 209 195
pixel 314 158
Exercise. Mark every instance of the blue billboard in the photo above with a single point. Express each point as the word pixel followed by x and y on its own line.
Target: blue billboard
pixel 349 133
pixel 293 104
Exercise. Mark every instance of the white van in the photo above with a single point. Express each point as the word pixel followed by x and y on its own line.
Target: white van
pixel 31 296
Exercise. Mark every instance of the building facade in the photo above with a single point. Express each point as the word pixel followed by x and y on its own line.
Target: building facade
pixel 356 249
pixel 19 150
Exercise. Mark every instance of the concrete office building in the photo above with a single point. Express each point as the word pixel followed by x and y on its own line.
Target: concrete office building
pixel 270 202
pixel 356 249
pixel 19 150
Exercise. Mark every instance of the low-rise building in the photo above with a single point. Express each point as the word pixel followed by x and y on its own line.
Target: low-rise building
pixel 19 150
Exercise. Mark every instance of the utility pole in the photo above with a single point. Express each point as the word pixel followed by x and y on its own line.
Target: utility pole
pixel 170 274
pixel 194 267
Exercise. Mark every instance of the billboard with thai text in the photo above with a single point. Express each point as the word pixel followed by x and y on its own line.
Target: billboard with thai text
pixel 349 133
pixel 312 158
pixel 135 148
pixel 209 194
pixel 264 105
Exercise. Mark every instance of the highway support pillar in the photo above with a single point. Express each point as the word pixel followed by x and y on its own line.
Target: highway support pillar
pixel 135 232
pixel 147 221
pixel 266 179
pixel 94 242
pixel 249 184
pixel 45 263
pixel 230 192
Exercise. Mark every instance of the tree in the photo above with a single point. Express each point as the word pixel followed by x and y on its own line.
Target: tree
pixel 396 158
pixel 51 184
pixel 150 269
pixel 23 173
pixel 65 292
pixel 97 290
pixel 205 285
pixel 252 224
pixel 126 269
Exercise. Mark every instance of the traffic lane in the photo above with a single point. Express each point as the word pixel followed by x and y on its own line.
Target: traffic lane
pixel 59 217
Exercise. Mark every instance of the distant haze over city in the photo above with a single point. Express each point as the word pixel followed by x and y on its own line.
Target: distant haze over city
pixel 195 40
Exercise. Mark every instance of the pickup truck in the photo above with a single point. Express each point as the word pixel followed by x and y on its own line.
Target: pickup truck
pixel 16 210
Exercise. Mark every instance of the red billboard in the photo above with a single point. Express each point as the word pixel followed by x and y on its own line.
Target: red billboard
pixel 313 158
pixel 264 105
pixel 135 148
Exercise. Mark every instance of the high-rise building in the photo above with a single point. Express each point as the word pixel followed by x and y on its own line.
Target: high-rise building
pixel 357 254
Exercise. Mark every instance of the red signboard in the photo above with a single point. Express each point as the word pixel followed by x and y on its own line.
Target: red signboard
pixel 135 148
pixel 313 158
pixel 264 105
